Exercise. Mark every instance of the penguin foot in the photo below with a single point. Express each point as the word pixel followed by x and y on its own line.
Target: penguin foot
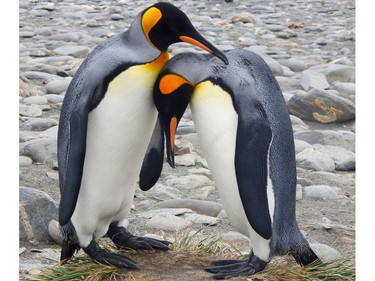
pixel 123 239
pixel 102 256
pixel 226 269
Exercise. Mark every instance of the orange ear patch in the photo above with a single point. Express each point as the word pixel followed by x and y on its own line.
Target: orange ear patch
pixel 171 82
pixel 150 19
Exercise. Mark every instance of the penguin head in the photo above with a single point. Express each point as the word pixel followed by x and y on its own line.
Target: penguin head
pixel 172 94
pixel 164 24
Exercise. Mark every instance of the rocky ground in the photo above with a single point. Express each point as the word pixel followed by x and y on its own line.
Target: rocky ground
pixel 310 47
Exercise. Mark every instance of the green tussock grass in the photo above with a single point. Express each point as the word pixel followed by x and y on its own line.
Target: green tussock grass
pixel 338 270
pixel 82 267
pixel 77 269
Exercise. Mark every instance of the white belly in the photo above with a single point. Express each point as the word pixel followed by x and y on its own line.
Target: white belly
pixel 216 124
pixel 118 133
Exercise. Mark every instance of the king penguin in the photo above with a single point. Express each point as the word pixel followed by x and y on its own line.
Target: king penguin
pixel 246 136
pixel 106 123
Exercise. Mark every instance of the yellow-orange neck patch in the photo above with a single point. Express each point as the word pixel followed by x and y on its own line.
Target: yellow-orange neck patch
pixel 149 20
pixel 171 82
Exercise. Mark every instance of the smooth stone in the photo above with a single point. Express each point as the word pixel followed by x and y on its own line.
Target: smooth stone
pixel 298 122
pixel 293 64
pixel 68 37
pixel 183 147
pixel 325 253
pixel 301 145
pixel 38 100
pixel 321 106
pixel 244 17
pixel 321 192
pixel 168 223
pixel 336 72
pixel 232 236
pixel 26 34
pixel 54 232
pixel 73 50
pixel 343 139
pixel 27 89
pixel 343 158
pixel 36 210
pixel 50 132
pixel 30 110
pixel 165 212
pixel 117 17
pixel 42 150
pixel 313 79
pixel 54 98
pixel 186 160
pixel 25 161
pixel 38 75
pixel 345 89
pixel 208 208
pixel 163 192
pixel 201 219
pixel 275 67
pixel 38 124
pixel 189 181
pixel 315 160
pixel 58 86
pixel 332 179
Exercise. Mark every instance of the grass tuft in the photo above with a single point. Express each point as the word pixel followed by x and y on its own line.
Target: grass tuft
pixel 192 244
pixel 77 269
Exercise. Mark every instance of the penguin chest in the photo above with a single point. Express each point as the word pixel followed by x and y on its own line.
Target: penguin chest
pixel 118 133
pixel 216 123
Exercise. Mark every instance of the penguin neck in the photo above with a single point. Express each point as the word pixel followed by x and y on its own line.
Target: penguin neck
pixel 138 41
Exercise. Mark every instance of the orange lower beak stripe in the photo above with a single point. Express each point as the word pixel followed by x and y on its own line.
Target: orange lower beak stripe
pixel 173 128
pixel 194 42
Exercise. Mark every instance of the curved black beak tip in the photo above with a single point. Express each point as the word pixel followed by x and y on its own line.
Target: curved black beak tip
pixel 170 159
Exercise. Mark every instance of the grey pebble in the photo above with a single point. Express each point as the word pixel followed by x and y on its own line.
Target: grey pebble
pixel 39 100
pixel 343 158
pixel 58 86
pixel 313 79
pixel 168 223
pixel 25 161
pixel 325 252
pixel 72 50
pixel 38 124
pixel 189 181
pixel 323 192
pixel 312 159
pixel 30 111
pixel 165 212
pixel 203 207
pixel 42 150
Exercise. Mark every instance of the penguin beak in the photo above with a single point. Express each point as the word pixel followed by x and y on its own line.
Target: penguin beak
pixel 170 138
pixel 199 41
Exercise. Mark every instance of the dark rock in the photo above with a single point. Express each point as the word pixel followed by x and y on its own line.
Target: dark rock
pixel 36 210
pixel 322 107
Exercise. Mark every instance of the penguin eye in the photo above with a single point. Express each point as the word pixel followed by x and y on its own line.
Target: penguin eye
pixel 173 29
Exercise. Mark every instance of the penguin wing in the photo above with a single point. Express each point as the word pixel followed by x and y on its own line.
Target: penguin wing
pixel 153 161
pixel 74 155
pixel 253 141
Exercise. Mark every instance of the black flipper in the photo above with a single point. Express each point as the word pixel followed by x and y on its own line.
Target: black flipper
pixel 74 158
pixel 153 162
pixel 102 256
pixel 123 239
pixel 254 136
pixel 230 269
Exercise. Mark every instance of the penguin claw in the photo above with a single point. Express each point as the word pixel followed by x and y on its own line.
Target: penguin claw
pixel 226 269
pixel 123 239
pixel 102 256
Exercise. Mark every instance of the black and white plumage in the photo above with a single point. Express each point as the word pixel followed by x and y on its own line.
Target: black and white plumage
pixel 246 136
pixel 107 121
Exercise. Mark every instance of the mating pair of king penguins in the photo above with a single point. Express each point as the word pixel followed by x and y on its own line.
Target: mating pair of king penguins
pixel 126 100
